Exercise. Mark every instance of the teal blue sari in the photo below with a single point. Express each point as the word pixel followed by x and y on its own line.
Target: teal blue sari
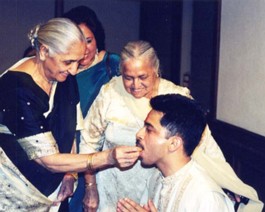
pixel 90 80
pixel 89 83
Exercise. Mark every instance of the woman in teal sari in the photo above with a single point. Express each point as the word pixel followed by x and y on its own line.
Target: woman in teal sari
pixel 97 68
pixel 98 65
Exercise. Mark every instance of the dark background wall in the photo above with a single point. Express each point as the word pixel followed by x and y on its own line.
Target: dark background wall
pixel 161 24
pixel 120 19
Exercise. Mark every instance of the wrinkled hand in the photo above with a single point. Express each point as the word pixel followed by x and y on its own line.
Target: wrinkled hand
pixel 124 156
pixel 128 205
pixel 66 190
pixel 91 199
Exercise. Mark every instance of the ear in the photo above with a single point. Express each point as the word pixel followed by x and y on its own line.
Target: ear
pixel 44 52
pixel 175 143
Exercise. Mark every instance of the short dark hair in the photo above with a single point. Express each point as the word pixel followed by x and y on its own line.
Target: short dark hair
pixel 83 14
pixel 182 116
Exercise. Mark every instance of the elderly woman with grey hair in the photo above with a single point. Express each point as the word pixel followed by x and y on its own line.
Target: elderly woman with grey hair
pixel 39 116
pixel 119 112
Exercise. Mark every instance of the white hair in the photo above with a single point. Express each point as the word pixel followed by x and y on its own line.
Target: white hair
pixel 58 34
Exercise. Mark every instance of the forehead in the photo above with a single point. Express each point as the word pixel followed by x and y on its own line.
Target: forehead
pixel 76 51
pixel 86 31
pixel 153 118
pixel 137 66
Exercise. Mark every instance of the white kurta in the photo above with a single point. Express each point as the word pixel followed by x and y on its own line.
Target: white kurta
pixel 189 189
pixel 114 119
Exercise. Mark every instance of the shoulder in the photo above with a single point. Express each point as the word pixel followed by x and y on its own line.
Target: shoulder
pixel 112 62
pixel 112 86
pixel 205 192
pixel 166 87
pixel 15 80
pixel 113 56
pixel 202 181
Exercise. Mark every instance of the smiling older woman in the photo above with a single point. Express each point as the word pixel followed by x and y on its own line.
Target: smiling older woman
pixel 39 116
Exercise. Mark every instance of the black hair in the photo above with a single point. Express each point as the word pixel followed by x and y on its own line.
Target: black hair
pixel 182 116
pixel 83 14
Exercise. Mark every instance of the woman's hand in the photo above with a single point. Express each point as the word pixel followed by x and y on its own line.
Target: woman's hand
pixel 91 199
pixel 124 156
pixel 67 188
pixel 128 205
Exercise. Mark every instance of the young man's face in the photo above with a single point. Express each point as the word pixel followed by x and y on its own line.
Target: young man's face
pixel 152 138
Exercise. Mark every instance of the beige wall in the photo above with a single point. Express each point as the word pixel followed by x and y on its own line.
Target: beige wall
pixel 241 85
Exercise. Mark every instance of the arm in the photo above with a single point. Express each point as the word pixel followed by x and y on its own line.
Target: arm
pixel 68 182
pixel 121 156
pixel 91 198
pixel 213 201
pixel 92 139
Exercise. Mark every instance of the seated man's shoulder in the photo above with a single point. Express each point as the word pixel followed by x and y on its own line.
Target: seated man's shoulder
pixel 205 192
pixel 200 179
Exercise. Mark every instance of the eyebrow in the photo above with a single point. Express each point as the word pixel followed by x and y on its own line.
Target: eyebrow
pixel 142 75
pixel 147 124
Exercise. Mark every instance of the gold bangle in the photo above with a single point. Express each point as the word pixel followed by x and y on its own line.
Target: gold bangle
pixel 90 162
pixel 90 185
pixel 74 174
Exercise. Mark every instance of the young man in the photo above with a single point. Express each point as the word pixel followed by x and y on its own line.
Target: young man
pixel 172 130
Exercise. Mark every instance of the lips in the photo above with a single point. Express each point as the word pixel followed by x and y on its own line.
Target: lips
pixel 136 90
pixel 138 144
pixel 65 74
pixel 86 56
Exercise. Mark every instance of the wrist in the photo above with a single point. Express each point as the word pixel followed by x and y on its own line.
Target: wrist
pixel 73 175
pixel 90 162
pixel 111 160
pixel 90 185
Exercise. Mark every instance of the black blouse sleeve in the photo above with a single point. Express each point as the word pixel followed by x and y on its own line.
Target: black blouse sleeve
pixel 22 106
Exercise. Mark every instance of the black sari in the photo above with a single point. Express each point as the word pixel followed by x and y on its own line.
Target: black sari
pixel 22 107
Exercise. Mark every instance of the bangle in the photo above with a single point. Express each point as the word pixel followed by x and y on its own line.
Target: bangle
pixel 90 162
pixel 74 174
pixel 90 185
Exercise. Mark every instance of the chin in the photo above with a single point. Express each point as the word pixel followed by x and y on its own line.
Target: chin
pixel 61 79
pixel 137 96
pixel 146 164
pixel 85 63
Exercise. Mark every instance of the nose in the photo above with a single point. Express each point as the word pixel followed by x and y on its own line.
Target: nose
pixel 140 134
pixel 136 83
pixel 73 68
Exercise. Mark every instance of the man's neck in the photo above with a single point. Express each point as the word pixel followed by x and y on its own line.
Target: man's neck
pixel 173 165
